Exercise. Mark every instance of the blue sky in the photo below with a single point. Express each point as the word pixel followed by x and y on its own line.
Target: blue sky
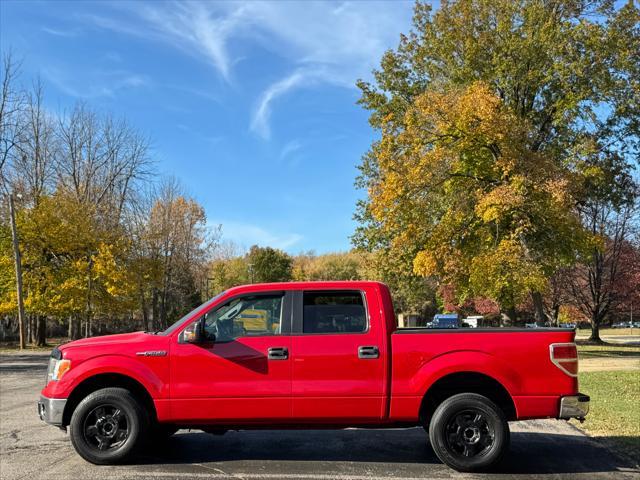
pixel 252 105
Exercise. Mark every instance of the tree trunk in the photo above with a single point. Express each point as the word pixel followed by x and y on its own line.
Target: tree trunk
pixel 89 298
pixel 31 324
pixel 595 334
pixel 154 310
pixel 41 331
pixel 18 270
pixel 74 328
pixel 145 313
pixel 556 315
pixel 595 330
pixel 538 307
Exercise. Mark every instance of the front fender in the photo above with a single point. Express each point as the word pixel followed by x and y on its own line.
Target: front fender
pixel 150 378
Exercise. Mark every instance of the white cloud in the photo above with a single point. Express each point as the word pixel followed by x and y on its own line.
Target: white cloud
pixel 306 77
pixel 290 148
pixel 260 120
pixel 324 42
pixel 62 33
pixel 192 27
pixel 246 235
pixel 100 84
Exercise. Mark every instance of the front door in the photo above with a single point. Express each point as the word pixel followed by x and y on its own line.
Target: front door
pixel 244 374
pixel 338 357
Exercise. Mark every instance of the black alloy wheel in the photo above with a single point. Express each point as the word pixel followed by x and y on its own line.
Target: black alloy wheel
pixel 108 426
pixel 469 433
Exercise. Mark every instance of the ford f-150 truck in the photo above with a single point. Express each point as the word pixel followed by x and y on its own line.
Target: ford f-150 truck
pixel 310 355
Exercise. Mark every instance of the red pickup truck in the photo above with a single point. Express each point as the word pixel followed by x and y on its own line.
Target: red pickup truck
pixel 310 355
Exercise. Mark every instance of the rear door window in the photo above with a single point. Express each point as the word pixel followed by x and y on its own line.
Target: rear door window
pixel 333 312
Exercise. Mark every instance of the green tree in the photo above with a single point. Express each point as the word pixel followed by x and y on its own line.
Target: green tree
pixel 492 114
pixel 227 273
pixel 266 264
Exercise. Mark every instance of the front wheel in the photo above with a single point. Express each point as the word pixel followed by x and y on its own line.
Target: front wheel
pixel 469 433
pixel 108 426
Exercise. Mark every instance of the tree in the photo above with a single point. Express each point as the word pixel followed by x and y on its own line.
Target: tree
pixel 330 266
pixel 600 282
pixel 71 266
pixel 32 163
pixel 12 103
pixel 490 114
pixel 179 245
pixel 266 264
pixel 102 250
pixel 227 273
pixel 100 160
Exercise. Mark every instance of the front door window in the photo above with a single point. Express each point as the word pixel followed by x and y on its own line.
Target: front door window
pixel 251 316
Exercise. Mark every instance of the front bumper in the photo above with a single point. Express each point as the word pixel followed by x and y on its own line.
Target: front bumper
pixel 51 410
pixel 574 406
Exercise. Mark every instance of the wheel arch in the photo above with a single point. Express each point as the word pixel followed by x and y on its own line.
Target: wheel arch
pixel 108 380
pixel 466 382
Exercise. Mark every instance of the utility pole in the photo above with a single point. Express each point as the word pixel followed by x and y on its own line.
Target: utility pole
pixel 18 265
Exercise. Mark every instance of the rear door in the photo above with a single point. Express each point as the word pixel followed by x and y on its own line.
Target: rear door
pixel 338 356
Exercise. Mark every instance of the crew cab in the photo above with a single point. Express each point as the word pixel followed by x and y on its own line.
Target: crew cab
pixel 310 355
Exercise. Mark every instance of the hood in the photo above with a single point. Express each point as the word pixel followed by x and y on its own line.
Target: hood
pixel 120 338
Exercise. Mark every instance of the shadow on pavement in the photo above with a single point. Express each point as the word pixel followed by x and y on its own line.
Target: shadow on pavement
pixel 531 453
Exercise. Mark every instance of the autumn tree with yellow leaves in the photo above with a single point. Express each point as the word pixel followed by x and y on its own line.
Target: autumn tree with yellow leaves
pixel 494 117
pixel 103 248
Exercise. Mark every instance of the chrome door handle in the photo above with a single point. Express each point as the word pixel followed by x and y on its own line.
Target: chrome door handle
pixel 368 352
pixel 277 353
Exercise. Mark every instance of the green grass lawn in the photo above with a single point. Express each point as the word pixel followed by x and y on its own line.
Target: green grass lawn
pixel 615 408
pixel 585 332
pixel 608 351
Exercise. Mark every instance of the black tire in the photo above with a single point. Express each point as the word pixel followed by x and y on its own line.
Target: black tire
pixel 469 433
pixel 108 426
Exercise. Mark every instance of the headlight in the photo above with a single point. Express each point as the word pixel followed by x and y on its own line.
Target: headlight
pixel 57 366
pixel 60 368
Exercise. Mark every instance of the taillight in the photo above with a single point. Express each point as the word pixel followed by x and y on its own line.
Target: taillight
pixel 565 357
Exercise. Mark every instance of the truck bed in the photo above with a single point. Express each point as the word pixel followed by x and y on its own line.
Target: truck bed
pixel 518 358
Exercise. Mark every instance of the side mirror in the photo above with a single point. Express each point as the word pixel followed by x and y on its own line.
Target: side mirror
pixel 194 333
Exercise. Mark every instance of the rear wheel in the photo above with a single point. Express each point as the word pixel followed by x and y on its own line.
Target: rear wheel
pixel 469 433
pixel 108 426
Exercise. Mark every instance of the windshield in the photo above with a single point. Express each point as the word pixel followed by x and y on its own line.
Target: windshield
pixel 204 306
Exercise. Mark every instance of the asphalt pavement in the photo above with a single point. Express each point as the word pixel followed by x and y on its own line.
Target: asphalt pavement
pixel 30 449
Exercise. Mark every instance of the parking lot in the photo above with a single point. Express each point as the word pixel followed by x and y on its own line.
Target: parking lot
pixel 29 449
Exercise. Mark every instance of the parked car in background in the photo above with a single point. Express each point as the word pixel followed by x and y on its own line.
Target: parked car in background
pixel 309 355
pixel 445 320
pixel 621 325
pixel 538 325
pixel 473 321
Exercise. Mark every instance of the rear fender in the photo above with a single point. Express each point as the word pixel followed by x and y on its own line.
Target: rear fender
pixel 466 361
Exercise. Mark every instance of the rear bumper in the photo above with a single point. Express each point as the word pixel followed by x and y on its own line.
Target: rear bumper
pixel 51 410
pixel 574 406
